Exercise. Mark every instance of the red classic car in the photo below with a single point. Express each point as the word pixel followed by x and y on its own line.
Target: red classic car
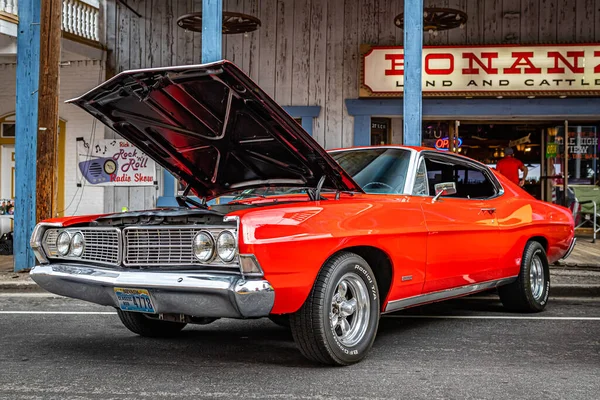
pixel 340 237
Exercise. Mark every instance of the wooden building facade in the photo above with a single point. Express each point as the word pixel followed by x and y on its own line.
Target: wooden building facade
pixel 307 55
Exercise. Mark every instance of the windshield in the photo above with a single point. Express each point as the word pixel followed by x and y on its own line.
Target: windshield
pixel 378 170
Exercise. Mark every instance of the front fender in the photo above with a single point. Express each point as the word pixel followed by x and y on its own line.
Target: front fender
pixel 292 242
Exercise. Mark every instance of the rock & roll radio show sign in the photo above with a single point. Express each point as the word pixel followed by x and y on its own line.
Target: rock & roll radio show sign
pixel 114 162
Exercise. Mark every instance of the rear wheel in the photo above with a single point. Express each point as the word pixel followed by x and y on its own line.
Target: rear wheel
pixel 144 326
pixel 529 293
pixel 338 322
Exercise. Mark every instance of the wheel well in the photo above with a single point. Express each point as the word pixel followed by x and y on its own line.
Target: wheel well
pixel 541 240
pixel 381 265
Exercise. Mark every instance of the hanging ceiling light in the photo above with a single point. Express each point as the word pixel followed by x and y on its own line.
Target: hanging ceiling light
pixel 437 19
pixel 233 22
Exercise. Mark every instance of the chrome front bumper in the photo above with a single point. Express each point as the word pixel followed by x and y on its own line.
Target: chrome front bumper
pixel 173 292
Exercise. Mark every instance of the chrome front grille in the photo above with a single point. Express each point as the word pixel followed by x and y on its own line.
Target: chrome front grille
pixel 165 246
pixel 102 245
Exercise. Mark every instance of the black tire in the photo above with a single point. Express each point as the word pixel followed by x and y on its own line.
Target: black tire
pixel 520 296
pixel 312 326
pixel 144 326
pixel 281 320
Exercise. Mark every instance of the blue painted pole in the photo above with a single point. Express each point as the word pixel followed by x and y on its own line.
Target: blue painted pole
pixel 28 67
pixel 212 28
pixel 413 53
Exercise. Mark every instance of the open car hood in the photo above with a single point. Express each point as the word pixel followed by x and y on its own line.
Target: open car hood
pixel 212 127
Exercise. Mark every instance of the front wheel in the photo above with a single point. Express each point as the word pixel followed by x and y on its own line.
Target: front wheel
pixel 338 322
pixel 529 293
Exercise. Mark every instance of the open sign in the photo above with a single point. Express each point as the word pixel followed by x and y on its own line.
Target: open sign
pixel 444 145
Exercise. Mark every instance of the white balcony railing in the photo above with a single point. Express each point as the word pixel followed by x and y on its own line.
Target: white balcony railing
pixel 79 17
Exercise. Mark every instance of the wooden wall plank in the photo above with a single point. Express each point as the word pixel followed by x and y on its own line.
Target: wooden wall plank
pixel 386 28
pixel 368 29
pixel 492 22
pixel 351 65
pixel 251 61
pixel 153 33
pixel 529 15
pixel 566 21
pixel 399 32
pixel 137 37
pixel 301 53
pixel 122 61
pixel 458 35
pixel 233 51
pixel 585 31
pixel 197 43
pixel 475 24
pixel 268 36
pixel 318 54
pixel 284 52
pixel 185 7
pixel 511 21
pixel 335 64
pixel 441 37
pixel 169 47
pixel 547 21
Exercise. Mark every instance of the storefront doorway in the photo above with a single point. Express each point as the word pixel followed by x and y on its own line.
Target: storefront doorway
pixel 538 144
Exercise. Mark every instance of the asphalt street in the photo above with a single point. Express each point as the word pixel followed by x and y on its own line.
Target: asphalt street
pixel 55 348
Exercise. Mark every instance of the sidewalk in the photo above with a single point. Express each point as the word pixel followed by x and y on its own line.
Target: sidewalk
pixel 577 276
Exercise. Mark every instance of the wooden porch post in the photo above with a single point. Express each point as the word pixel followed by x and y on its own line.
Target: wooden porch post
pixel 413 50
pixel 47 149
pixel 28 64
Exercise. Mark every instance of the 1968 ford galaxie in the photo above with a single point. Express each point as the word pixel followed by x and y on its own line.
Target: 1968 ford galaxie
pixel 322 241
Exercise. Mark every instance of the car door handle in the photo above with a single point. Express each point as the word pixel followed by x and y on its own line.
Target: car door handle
pixel 488 210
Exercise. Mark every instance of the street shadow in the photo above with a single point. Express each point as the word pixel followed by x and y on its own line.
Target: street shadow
pixel 235 341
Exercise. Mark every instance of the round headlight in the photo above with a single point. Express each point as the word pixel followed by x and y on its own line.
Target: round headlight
pixel 77 244
pixel 63 243
pixel 204 246
pixel 226 246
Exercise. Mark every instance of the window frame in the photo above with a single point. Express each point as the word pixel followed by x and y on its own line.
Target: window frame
pixel 458 160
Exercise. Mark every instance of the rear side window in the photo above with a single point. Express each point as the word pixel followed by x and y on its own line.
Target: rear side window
pixel 471 182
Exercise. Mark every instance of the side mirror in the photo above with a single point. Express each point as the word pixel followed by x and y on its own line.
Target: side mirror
pixel 444 189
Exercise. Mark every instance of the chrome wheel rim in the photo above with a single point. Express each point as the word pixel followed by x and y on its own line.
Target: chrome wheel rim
pixel 536 277
pixel 350 310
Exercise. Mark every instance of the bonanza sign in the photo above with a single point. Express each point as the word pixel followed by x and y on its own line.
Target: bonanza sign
pixel 113 162
pixel 486 70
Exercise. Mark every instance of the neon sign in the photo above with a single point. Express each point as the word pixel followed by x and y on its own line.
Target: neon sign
pixel 443 143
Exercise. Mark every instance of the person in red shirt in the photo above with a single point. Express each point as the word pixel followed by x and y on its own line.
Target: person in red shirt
pixel 509 166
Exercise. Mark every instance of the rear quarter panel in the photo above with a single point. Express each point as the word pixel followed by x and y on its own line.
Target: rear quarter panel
pixel 521 218
pixel 293 242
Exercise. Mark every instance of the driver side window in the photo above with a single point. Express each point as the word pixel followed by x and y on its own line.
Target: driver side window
pixel 471 182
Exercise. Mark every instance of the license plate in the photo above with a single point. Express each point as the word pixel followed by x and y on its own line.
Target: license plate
pixel 135 300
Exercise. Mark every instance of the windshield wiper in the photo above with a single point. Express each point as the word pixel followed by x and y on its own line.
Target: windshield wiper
pixel 183 200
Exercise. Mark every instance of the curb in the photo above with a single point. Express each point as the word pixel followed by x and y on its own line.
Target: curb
pixel 21 287
pixel 574 290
